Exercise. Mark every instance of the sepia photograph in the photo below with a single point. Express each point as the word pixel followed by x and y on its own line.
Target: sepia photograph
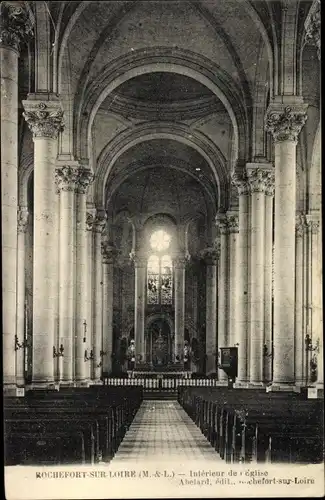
pixel 161 212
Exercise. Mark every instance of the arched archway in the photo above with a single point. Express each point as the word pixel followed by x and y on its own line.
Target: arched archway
pixel 159 340
pixel 161 59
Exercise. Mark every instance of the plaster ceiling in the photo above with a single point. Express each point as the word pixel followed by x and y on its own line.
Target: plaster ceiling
pixel 164 190
pixel 163 88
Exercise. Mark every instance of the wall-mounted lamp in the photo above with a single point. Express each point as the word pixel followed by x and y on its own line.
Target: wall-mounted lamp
pixel 59 353
pixel 19 345
pixel 85 330
pixel 91 355
pixel 309 345
pixel 266 353
pixel 101 355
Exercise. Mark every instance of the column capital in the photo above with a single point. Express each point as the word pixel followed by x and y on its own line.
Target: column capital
pixel 260 177
pixel 45 119
pixel 140 261
pixel 100 221
pixel 210 255
pixel 90 218
pixel 16 24
pixel 179 261
pixel 285 121
pixel 240 181
pixel 22 219
pixel 232 222
pixel 312 26
pixel 312 223
pixel 84 178
pixel 300 225
pixel 66 178
pixel 109 252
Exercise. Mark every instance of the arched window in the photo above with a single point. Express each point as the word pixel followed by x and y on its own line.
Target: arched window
pixel 160 270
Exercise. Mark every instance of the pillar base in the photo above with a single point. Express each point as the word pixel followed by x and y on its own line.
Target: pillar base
pixel 66 383
pixel 82 383
pixel 283 388
pixel 316 392
pixel 221 383
pixel 95 382
pixel 241 385
pixel 13 391
pixel 49 386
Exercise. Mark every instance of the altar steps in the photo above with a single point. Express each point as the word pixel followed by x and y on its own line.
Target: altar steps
pixel 160 395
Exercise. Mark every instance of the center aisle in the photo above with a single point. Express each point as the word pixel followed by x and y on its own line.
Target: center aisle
pixel 162 430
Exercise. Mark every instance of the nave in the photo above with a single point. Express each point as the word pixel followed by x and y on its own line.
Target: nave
pixel 163 431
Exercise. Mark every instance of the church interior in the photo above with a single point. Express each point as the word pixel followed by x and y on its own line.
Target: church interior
pixel 161 230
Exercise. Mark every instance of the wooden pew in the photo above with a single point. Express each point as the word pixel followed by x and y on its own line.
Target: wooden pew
pixel 239 438
pixel 98 418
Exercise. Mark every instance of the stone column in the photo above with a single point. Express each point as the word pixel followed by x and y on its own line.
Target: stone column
pixel 232 291
pixel 45 119
pixel 179 287
pixel 285 124
pixel 258 175
pixel 140 271
pixel 268 249
pixel 66 177
pixel 314 285
pixel 97 337
pixel 299 330
pixel 211 257
pixel 222 291
pixel 21 309
pixel 14 26
pixel 109 254
pixel 85 177
pixel 90 220
pixel 243 259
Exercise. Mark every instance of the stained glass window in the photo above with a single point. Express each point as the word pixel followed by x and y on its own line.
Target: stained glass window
pixel 160 271
pixel 153 279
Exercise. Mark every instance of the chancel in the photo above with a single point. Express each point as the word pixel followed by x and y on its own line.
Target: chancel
pixel 161 230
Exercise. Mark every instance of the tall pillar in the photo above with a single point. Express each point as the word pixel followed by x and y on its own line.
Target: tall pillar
pixel 314 285
pixel 21 296
pixel 243 257
pixel 222 291
pixel 45 119
pixel 211 257
pixel 90 220
pixel 14 26
pixel 140 268
pixel 109 253
pixel 285 124
pixel 268 249
pixel 66 177
pixel 97 324
pixel 299 330
pixel 232 291
pixel 258 175
pixel 179 287
pixel 85 177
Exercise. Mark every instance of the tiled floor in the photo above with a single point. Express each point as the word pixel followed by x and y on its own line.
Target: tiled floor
pixel 163 430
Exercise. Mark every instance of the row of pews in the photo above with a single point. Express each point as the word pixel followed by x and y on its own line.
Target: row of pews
pixel 70 426
pixel 252 426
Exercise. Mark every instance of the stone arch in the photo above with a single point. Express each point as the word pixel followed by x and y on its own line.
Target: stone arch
pixel 315 175
pixel 262 93
pixel 151 318
pixel 163 59
pixel 138 166
pixel 148 131
pixel 25 171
